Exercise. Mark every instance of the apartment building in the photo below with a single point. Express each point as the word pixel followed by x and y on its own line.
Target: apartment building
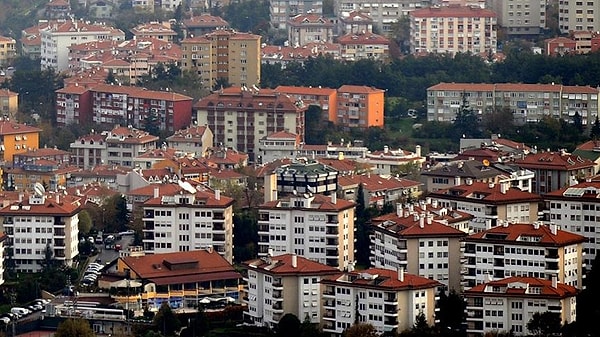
pixel 223 55
pixel 284 284
pixel 278 145
pixel 578 16
pixel 378 191
pixel 359 106
pixel 187 219
pixel 510 303
pixel 303 177
pixel 284 55
pixel 8 50
pixel 306 28
pixel 16 138
pixel 340 151
pixel 57 9
pixel 239 117
pixel 280 11
pixel 490 204
pixel 383 13
pixel 458 173
pixel 521 17
pixel 114 104
pixel 89 151
pixel 390 161
pixel 453 29
pixel 523 250
pixel 196 139
pixel 317 227
pixel 354 22
pixel 9 103
pixel 157 30
pixel 415 240
pixel 324 98
pixel 126 143
pixel 573 208
pixel 38 223
pixel 57 37
pixel 51 173
pixel 527 102
pixel 389 300
pixel 364 46
pixel 554 170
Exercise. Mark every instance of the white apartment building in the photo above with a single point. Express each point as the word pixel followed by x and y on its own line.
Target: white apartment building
pixel 195 139
pixel 38 223
pixel 417 239
pixel 490 203
pixel 527 102
pixel 126 143
pixel 453 29
pixel 188 218
pixel 390 160
pixel 510 303
pixel 89 151
pixel 284 284
pixel 387 299
pixel 317 227
pixel 523 250
pixel 384 13
pixel 577 209
pixel 58 37
pixel 278 145
pixel 521 17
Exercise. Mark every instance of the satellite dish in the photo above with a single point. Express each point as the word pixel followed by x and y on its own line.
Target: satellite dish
pixel 39 189
pixel 486 163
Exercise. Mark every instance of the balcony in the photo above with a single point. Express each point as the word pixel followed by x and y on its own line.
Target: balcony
pixel 390 298
pixel 263 217
pixel 329 314
pixel 278 307
pixel 218 216
pixel 219 237
pixel 277 294
pixel 332 241
pixel 8 221
pixel 331 252
pixel 263 227
pixel 329 303
pixel 263 238
pixel 332 231
pixel 498 263
pixel 59 232
pixel 218 226
pixel 277 284
pixel 149 215
pixel 332 219
pixel 390 321
pixel 390 309
pixel 329 291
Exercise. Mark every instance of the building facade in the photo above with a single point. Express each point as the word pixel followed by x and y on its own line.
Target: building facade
pixel 240 117
pixel 193 139
pixel 521 17
pixel 359 106
pixel 284 284
pixel 16 138
pixel 523 250
pixel 280 11
pixel 126 143
pixel 188 219
pixel 306 28
pixel 316 227
pixel 453 29
pixel 8 50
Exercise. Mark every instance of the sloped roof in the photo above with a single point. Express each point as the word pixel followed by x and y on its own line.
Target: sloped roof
pixel 377 278
pixel 554 161
pixel 479 192
pixel 282 265
pixel 514 232
pixel 320 202
pixel 517 287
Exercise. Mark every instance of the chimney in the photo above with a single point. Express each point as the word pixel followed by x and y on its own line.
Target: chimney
pixel 386 149
pixel 469 181
pixel 429 218
pixel 209 249
pixel 334 198
pixel 274 194
pixel 399 210
pixel 57 198
pixel 401 274
pixel 492 185
pixel 434 203
pixel 415 217
pixel 156 192
pixel 21 197
pixel 553 228
pixel 270 252
pixel 554 281
pixel 536 225
pixel 457 181
pixel 422 221
pixel 503 187
pixel 218 194
pixel 488 278
pixel 294 261
pixel 351 266
pixel 418 150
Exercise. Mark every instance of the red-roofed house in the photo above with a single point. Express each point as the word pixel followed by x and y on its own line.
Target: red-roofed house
pixel 204 23
pixel 389 300
pixel 127 143
pixel 325 98
pixel 359 106
pixel 524 250
pixel 89 151
pixel 510 303
pixel 420 242
pixel 306 28
pixel 490 204
pixel 445 21
pixel 188 218
pixel 377 190
pixel 364 45
pixel 278 145
pixel 284 284
pixel 390 161
pixel 157 30
pixel 181 279
pixel 355 22
pixel 196 139
pixel 554 170
pixel 34 223
pixel 322 228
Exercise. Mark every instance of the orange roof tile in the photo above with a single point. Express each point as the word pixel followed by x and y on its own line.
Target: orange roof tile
pixel 513 233
pixel 410 226
pixel 54 204
pixel 8 127
pixel 363 38
pixel 194 132
pixel 479 192
pixel 140 92
pixel 381 279
pixel 320 202
pixel 208 196
pixel 375 182
pixel 554 161
pixel 516 289
pixel 205 20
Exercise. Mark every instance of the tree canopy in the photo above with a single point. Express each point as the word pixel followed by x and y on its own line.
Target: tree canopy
pixel 74 328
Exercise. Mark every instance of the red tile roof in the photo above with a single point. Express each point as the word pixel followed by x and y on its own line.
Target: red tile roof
pixel 7 93
pixel 375 182
pixel 359 89
pixel 181 267
pixel 554 161
pixel 357 17
pixel 296 90
pixel 153 28
pixel 207 196
pixel 194 132
pixel 517 286
pixel 138 92
pixel 320 202
pixel 410 226
pixel 282 265
pixel 362 38
pixel 8 127
pixel 54 205
pixel 281 135
pixel 309 19
pixel 345 165
pixel 43 152
pixel 476 87
pixel 453 12
pixel 479 192
pixel 130 135
pixel 205 20
pixel 584 190
pixel 514 232
pixel 377 278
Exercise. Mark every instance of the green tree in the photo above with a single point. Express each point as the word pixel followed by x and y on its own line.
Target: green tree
pixel 85 222
pixel 114 214
pixel 74 328
pixel 466 124
pixel 166 321
pixel 245 235
pixel 288 326
pixel 360 330
pixel 110 78
pixel 451 313
pixel 152 123
pixel 544 324
pixel 595 132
